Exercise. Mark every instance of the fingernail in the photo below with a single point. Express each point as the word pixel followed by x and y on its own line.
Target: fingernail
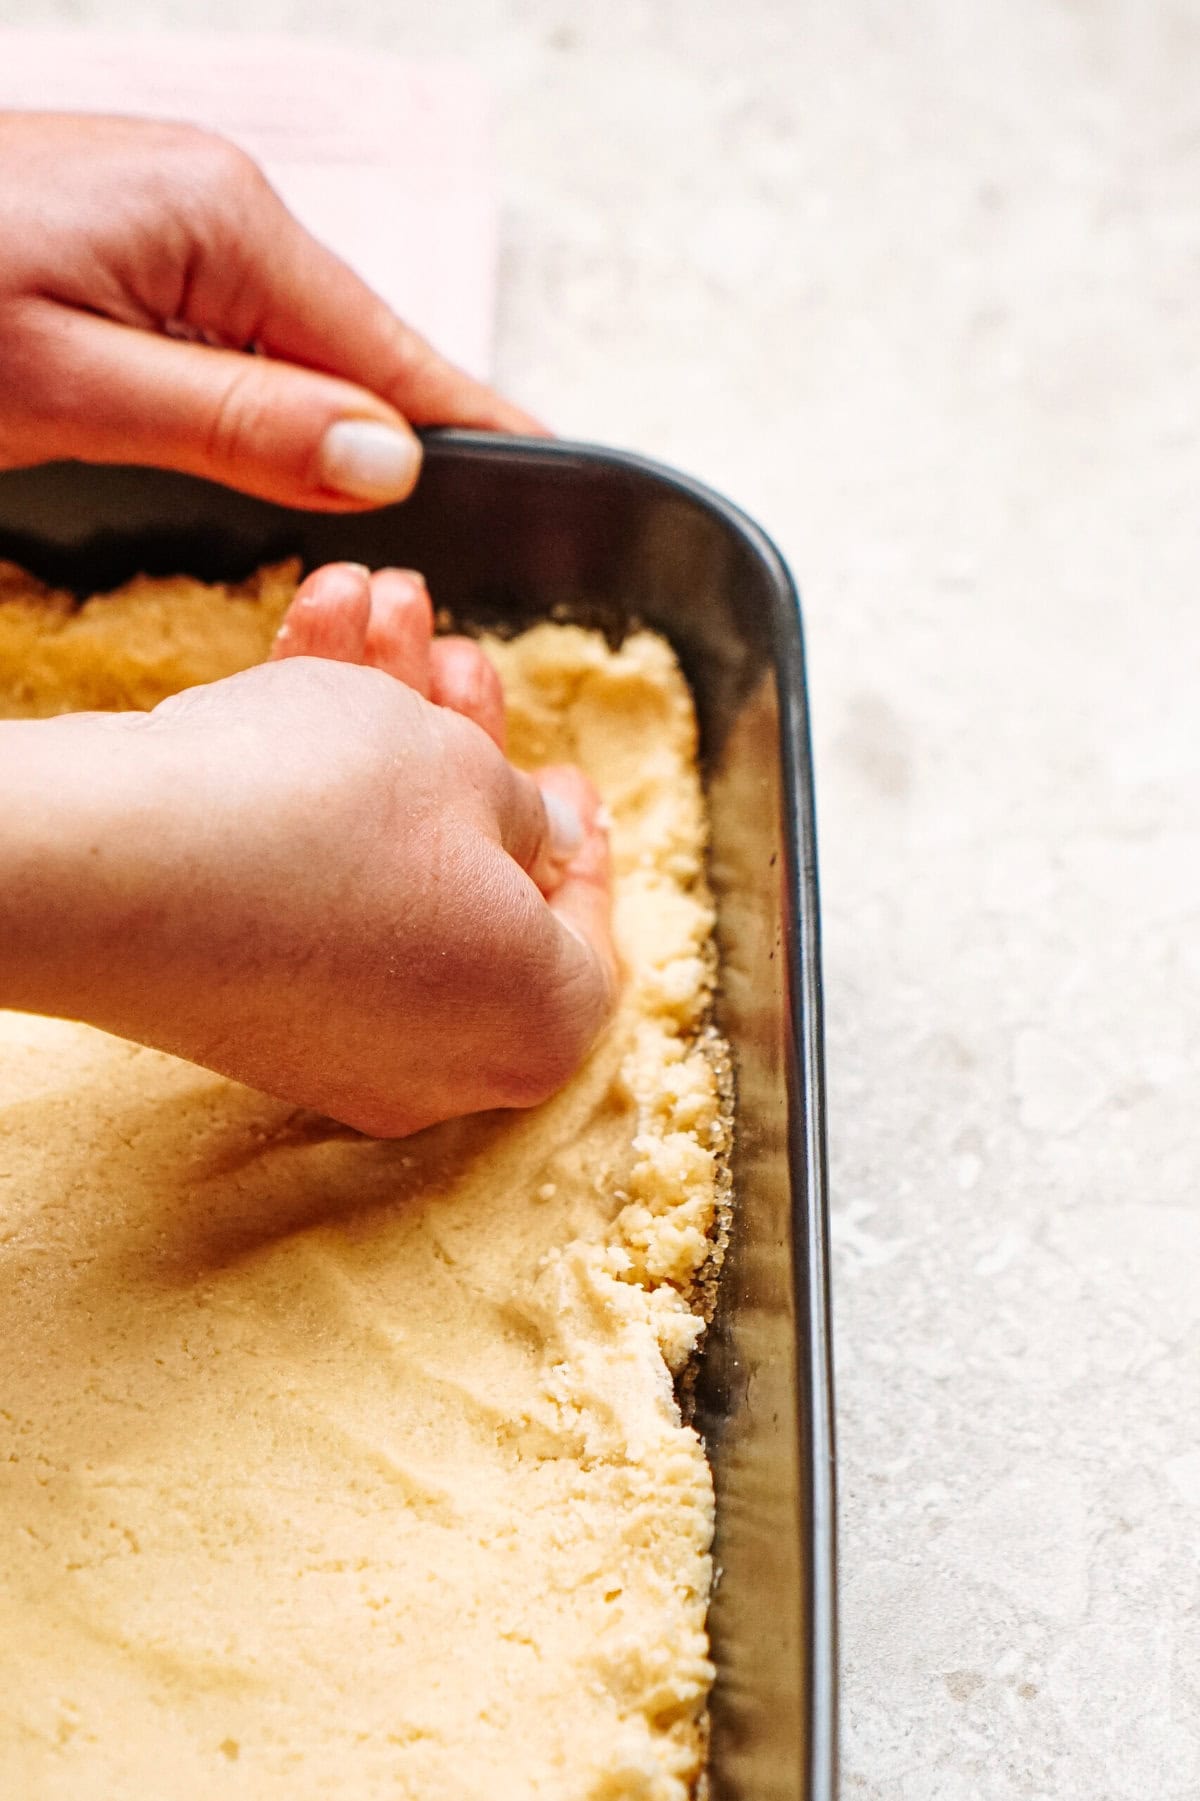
pixel 369 461
pixel 402 583
pixel 566 827
pixel 339 582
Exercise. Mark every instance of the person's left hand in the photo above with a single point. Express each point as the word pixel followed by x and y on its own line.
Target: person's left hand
pixel 120 240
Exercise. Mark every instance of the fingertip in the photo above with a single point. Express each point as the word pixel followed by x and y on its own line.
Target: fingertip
pixel 400 627
pixel 369 460
pixel 328 616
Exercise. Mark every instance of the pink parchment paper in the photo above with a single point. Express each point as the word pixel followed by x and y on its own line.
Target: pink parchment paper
pixel 389 162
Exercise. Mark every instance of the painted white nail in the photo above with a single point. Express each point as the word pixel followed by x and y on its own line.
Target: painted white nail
pixel 369 461
pixel 566 827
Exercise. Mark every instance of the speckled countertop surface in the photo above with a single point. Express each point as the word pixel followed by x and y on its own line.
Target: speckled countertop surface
pixel 920 286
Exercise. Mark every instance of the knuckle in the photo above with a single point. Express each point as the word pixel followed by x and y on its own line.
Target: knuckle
pixel 560 1015
pixel 236 421
pixel 536 1073
pixel 210 185
pixel 481 769
pixel 217 165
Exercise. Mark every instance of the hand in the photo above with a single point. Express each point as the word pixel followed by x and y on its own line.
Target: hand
pixel 119 239
pixel 313 879
pixel 385 620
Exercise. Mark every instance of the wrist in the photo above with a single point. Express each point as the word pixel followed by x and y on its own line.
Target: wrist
pixel 76 805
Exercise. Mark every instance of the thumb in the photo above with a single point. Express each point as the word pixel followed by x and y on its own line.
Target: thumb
pixel 580 891
pixel 106 392
pixel 552 824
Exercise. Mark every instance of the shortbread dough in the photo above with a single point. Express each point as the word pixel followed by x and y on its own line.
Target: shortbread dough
pixel 337 1468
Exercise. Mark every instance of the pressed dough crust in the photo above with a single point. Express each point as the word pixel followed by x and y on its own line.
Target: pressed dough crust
pixel 342 1468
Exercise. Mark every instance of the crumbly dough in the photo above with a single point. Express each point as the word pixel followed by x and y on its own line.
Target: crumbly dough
pixel 132 648
pixel 337 1468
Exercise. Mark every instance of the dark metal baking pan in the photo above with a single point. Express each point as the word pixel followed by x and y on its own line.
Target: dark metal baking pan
pixel 511 530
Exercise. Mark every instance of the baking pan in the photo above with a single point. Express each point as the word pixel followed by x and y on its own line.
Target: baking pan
pixel 508 531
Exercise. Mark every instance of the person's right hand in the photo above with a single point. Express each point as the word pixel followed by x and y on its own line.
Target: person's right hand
pixel 314 879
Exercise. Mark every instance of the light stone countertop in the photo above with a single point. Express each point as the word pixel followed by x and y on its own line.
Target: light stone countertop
pixel 920 287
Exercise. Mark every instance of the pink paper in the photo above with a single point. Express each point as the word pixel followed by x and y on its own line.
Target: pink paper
pixel 388 162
